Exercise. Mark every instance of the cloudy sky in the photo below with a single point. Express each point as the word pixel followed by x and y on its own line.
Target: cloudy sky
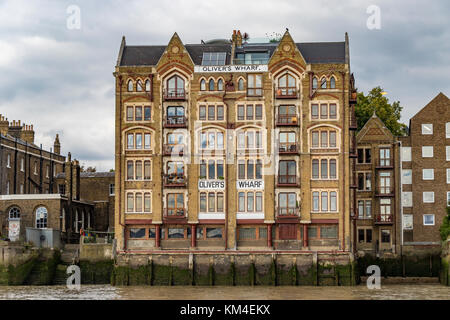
pixel 60 79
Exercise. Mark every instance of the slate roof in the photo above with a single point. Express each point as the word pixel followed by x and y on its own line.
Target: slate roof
pixel 313 52
pixel 89 174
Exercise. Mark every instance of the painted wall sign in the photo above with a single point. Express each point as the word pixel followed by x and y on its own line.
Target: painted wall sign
pixel 232 68
pixel 211 184
pixel 250 184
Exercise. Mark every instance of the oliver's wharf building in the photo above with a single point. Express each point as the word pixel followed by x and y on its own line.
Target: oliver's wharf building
pixel 227 145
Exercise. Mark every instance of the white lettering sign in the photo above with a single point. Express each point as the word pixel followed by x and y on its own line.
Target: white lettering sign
pixel 250 184
pixel 211 184
pixel 232 68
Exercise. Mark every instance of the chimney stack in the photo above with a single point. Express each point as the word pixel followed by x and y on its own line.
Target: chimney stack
pixel 4 125
pixel 27 133
pixel 57 145
pixel 15 129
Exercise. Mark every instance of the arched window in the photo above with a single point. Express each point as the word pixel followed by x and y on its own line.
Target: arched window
pixel 241 84
pixel 286 85
pixel 14 213
pixel 220 85
pixel 130 85
pixel 323 83
pixel 175 86
pixel 211 85
pixel 139 85
pixel 203 85
pixel 147 85
pixel 314 83
pixel 41 217
pixel 333 83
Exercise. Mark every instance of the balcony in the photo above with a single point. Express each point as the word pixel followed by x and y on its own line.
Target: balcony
pixel 353 123
pixel 288 181
pixel 175 122
pixel 353 97
pixel 388 164
pixel 353 153
pixel 286 93
pixel 174 94
pixel 175 215
pixel 384 194
pixel 284 120
pixel 254 92
pixel 174 150
pixel 288 148
pixel 174 181
pixel 384 219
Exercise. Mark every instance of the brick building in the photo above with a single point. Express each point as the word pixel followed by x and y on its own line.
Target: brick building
pixel 230 145
pixel 377 188
pixel 425 163
pixel 29 194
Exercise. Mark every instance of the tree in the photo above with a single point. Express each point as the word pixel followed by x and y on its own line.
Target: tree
pixel 88 169
pixel 388 113
pixel 444 230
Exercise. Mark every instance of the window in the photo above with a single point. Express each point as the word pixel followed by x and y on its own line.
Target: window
pixel 364 181
pixel 22 164
pixel 385 157
pixel 249 169
pixel 364 209
pixel 327 111
pixel 406 153
pixel 286 85
pixel 407 199
pixel 324 168
pixel 447 151
pixel 147 85
pixel 448 198
pixel 364 155
pixel 203 85
pixel 407 176
pixel 427 128
pixel 327 139
pixel 214 112
pixel 250 202
pixel 250 112
pixel 47 171
pixel 214 58
pixel 130 86
pixel 314 83
pixel 385 183
pixel 139 85
pixel 175 204
pixel 314 111
pixel 447 130
pixel 385 210
pixel 428 197
pixel 323 83
pixel 365 235
pixel 211 139
pixel 241 84
pixel 211 85
pixel 62 189
pixel 175 115
pixel 287 204
pixel 287 115
pixel 448 175
pixel 428 174
pixel 111 189
pixel 220 85
pixel 7 187
pixel 8 160
pixel 287 172
pixel 324 201
pixel 134 141
pixel 254 85
pixel 14 213
pixel 249 140
pixel 328 232
pixel 427 152
pixel 212 169
pixel 333 83
pixel 136 233
pixel 428 219
pixel 211 202
pixel 41 217
pixel 385 236
pixel 175 87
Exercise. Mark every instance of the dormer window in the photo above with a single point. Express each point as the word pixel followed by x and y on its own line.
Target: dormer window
pixel 211 85
pixel 333 83
pixel 214 58
pixel 323 83
pixel 139 86
pixel 147 85
pixel 314 83
pixel 130 86
pixel 203 85
pixel 220 85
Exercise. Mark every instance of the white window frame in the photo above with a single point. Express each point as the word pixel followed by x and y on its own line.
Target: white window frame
pixel 425 193
pixel 429 224
pixel 424 130
pixel 406 179
pixel 447 153
pixel 447 130
pixel 113 188
pixel 429 148
pixel 406 154
pixel 407 199
pixel 429 171
pixel 448 175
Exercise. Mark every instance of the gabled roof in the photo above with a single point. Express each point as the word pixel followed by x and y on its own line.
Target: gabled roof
pixel 313 52
pixel 440 99
pixel 369 125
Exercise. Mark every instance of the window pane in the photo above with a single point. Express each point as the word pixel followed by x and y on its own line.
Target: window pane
pixel 130 114
pixel 138 170
pixel 147 170
pixel 324 201
pixel 211 202
pixel 138 202
pixel 138 141
pixel 259 201
pixel 211 113
pixel 203 202
pixel 138 113
pixel 250 203
pixel 147 141
pixel 147 202
pixel 130 141
pixel 258 112
pixel 130 170
pixel 202 113
pixel 220 113
pixel 315 111
pixel 324 169
pixel 241 197
pixel 137 233
pixel 220 202
pixel 315 169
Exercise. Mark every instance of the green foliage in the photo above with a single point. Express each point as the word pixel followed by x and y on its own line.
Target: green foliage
pixel 388 113
pixel 274 37
pixel 445 227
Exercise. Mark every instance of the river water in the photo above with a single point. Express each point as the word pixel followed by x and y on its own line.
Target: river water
pixel 107 292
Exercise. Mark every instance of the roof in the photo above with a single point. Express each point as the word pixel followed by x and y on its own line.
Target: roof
pixel 90 175
pixel 313 52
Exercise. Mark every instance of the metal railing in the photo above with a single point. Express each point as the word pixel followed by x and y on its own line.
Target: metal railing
pixel 287 120
pixel 174 94
pixel 175 122
pixel 174 180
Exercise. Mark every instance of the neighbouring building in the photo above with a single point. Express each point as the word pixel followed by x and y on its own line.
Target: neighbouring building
pixel 29 196
pixel 98 189
pixel 378 189
pixel 425 182
pixel 230 145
